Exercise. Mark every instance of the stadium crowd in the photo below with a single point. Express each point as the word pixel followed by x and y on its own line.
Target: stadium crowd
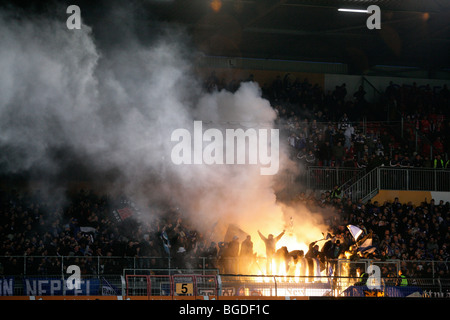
pixel 41 231
pixel 320 129
pixel 325 128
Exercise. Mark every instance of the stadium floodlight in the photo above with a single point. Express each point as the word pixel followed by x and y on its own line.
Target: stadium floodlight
pixel 353 10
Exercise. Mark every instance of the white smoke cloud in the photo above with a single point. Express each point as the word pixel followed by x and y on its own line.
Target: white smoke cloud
pixel 47 89
pixel 64 98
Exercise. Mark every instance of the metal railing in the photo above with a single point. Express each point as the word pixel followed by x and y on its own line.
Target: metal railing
pixel 92 265
pixel 339 277
pixel 387 178
pixel 20 265
pixel 281 286
pixel 364 188
pixel 423 179
pixel 223 285
pixel 326 178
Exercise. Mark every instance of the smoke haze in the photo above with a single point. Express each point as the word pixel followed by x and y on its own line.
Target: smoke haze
pixel 102 103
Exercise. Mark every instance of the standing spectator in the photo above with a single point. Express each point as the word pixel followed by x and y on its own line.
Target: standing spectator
pixel 270 243
pixel 329 134
pixel 418 161
pixel 130 253
pixel 348 133
pixel 340 93
pixel 246 255
pixel 277 88
pixel 144 253
pixel 343 122
pixel 325 153
pixel 395 162
pixel 438 146
pixel 427 162
pixel 310 158
pixel 246 247
pixel 360 97
pixel 378 148
pixel 438 162
pixel 233 254
pixel 359 145
pixel 338 153
pixel 385 139
pixel 425 127
pixel 406 162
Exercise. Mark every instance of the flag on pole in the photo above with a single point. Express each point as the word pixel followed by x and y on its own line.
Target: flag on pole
pixel 355 231
pixel 365 245
pixel 233 230
pixel 88 229
pixel 165 242
pixel 108 289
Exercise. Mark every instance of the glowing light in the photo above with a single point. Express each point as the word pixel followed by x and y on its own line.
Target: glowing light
pixel 353 10
pixel 216 5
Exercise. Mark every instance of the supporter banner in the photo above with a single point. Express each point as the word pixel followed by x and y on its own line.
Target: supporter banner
pixel 56 287
pixel 7 286
pixel 109 289
pixel 125 209
pixel 388 291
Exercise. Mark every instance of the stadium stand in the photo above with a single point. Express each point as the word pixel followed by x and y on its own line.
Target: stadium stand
pixel 36 231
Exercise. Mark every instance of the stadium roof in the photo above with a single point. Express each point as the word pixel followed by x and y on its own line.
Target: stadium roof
pixel 413 32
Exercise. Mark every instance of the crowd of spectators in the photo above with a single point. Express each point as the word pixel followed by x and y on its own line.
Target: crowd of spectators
pixel 400 231
pixel 345 142
pixel 321 129
pixel 326 128
pixel 40 230
pixel 35 233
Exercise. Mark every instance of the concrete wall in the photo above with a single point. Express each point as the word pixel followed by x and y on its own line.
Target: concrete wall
pixel 416 197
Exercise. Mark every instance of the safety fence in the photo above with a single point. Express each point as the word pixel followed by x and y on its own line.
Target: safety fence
pixel 171 286
pixel 194 286
pixel 102 266
pixel 359 184
pixel 55 285
pixel 340 278
pixel 326 178
pixel 95 265
pixel 423 179
pixel 386 178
